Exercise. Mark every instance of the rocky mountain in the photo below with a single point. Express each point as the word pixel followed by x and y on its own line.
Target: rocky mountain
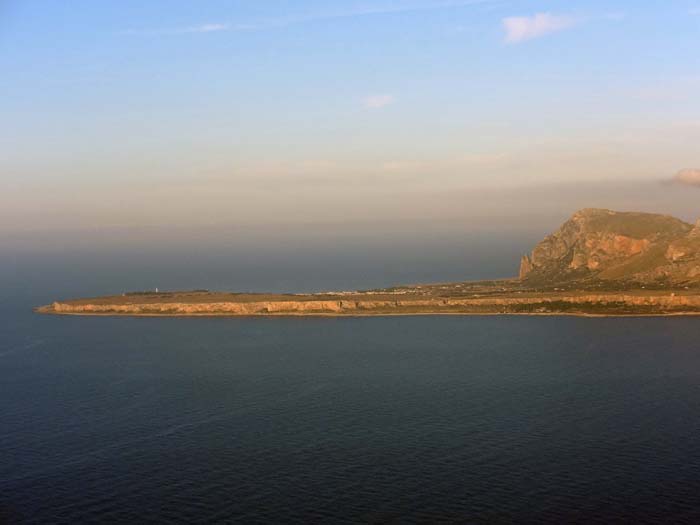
pixel 604 245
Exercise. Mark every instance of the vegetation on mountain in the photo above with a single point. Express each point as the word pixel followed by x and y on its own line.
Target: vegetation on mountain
pixel 608 246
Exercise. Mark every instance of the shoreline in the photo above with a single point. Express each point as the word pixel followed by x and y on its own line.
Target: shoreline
pixel 472 299
pixel 378 314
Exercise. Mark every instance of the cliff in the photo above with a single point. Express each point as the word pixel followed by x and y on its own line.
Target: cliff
pixel 492 299
pixel 551 303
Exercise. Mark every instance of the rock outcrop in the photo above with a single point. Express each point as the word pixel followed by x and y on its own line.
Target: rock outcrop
pixel 605 245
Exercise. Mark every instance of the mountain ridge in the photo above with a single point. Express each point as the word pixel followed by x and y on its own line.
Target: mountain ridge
pixel 597 244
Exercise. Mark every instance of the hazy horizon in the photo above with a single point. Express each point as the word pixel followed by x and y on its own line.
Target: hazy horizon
pixel 133 124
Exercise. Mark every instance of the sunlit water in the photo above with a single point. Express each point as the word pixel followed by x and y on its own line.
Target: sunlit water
pixel 400 419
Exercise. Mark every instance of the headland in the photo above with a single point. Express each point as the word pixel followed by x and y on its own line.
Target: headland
pixel 599 263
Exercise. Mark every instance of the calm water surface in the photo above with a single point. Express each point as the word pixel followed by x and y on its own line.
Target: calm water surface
pixel 403 419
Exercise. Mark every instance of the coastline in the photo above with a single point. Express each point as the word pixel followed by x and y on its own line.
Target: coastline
pixel 491 301
pixel 377 314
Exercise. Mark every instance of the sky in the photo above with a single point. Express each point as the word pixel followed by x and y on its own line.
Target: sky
pixel 141 120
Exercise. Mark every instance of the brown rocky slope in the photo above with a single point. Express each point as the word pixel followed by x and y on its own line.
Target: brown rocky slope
pixel 624 247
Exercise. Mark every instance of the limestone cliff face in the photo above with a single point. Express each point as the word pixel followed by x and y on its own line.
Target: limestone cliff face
pixel 525 267
pixel 505 304
pixel 609 245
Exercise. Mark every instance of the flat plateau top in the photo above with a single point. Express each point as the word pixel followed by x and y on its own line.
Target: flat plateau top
pixel 422 292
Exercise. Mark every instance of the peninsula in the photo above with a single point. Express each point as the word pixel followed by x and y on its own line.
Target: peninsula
pixel 599 262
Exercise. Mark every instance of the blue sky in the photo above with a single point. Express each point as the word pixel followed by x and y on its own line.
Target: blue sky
pixel 167 112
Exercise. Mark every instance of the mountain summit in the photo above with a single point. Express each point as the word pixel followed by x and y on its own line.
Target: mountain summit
pixel 605 245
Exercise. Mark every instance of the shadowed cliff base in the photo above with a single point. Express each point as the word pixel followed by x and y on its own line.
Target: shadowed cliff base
pixel 600 262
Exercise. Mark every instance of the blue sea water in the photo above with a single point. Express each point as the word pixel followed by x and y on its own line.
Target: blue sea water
pixel 358 420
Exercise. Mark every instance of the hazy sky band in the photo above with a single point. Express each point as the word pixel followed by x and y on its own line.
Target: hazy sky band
pixel 228 112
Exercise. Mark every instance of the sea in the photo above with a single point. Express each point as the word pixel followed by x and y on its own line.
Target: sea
pixel 413 419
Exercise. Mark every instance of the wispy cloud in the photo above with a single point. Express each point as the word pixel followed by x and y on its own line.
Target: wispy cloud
pixel 687 177
pixel 521 28
pixel 400 7
pixel 319 16
pixel 378 101
pixel 201 28
pixel 694 11
pixel 207 28
pixel 458 164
